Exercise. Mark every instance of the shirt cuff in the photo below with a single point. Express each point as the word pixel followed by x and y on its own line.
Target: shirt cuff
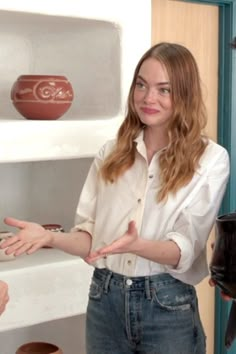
pixel 87 227
pixel 186 253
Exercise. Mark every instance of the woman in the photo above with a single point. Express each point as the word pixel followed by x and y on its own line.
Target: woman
pixel 145 213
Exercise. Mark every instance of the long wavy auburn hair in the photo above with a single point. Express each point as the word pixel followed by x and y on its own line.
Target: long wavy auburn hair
pixel 179 161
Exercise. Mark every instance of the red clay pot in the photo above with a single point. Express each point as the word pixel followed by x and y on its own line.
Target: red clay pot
pixel 38 348
pixel 42 97
pixel 54 228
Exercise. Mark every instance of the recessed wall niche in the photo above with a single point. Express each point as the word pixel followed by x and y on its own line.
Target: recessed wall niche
pixel 46 192
pixel 87 51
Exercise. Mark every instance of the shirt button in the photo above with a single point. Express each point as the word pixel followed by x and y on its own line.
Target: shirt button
pixel 139 200
pixel 129 262
pixel 150 176
pixel 129 282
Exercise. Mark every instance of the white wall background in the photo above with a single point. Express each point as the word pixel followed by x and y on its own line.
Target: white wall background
pixel 44 164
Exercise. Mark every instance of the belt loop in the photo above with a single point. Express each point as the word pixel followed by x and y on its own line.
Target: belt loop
pixel 107 281
pixel 147 288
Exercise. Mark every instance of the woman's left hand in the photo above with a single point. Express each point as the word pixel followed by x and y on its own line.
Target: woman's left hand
pixel 124 244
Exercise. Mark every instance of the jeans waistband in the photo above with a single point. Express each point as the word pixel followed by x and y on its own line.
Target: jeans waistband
pixel 109 278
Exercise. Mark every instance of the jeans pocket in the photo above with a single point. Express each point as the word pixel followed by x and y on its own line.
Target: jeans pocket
pixel 95 290
pixel 174 296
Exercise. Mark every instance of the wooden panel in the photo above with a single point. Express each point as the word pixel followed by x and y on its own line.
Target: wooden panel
pixel 196 27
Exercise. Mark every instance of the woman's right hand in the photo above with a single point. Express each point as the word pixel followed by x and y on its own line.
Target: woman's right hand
pixel 30 238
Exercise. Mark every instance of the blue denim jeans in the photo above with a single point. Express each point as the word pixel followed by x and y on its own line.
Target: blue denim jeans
pixel 143 315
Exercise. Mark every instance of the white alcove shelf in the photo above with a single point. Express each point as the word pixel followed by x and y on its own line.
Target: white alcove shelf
pixel 86 51
pixel 96 45
pixel 49 284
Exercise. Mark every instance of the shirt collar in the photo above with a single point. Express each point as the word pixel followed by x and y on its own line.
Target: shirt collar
pixel 139 138
pixel 141 147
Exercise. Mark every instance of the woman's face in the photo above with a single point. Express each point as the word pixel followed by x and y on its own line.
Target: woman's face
pixel 152 94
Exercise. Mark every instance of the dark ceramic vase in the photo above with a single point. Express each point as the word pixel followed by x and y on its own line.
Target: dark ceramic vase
pixel 223 266
pixel 42 97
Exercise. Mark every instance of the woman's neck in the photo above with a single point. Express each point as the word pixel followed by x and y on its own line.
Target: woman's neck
pixel 155 140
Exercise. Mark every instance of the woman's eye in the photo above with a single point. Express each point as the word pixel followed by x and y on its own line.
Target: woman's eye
pixel 140 85
pixel 165 90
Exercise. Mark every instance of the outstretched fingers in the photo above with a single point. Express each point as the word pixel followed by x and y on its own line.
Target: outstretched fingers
pixel 121 245
pixel 20 224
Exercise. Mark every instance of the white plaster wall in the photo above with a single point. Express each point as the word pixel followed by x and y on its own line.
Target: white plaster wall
pixel 43 164
pixel 44 191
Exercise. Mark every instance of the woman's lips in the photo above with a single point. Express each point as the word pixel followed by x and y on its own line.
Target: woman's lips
pixel 149 110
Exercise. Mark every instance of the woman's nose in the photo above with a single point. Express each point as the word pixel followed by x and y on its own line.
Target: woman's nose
pixel 151 95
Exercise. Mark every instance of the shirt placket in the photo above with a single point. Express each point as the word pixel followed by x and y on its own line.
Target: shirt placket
pixel 129 258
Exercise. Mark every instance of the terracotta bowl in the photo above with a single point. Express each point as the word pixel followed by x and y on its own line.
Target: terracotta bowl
pixel 42 97
pixel 54 228
pixel 38 348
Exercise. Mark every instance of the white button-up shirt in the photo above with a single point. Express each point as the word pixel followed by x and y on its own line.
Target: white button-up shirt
pixel 105 209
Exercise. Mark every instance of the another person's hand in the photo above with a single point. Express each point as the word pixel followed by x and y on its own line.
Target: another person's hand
pixel 125 244
pixel 4 297
pixel 30 238
pixel 223 295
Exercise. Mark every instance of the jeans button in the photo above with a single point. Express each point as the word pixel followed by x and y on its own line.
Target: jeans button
pixel 129 282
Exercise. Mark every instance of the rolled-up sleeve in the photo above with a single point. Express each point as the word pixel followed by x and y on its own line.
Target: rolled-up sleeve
pixel 86 209
pixel 194 223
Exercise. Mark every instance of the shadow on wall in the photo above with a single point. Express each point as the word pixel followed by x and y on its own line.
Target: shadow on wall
pixel 68 334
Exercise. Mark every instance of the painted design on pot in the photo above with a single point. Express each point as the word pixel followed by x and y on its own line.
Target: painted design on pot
pixel 42 96
pixel 49 91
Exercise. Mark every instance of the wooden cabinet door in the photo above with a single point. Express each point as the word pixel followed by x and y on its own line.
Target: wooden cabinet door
pixel 196 27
